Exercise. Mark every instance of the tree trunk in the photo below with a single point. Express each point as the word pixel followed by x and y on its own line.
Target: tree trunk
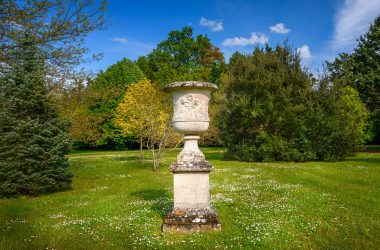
pixel 141 150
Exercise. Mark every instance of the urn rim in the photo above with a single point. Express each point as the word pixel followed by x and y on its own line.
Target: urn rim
pixel 189 85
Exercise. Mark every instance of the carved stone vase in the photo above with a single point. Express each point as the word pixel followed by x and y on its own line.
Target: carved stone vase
pixel 192 210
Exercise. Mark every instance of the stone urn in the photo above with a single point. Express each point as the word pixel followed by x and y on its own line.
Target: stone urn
pixel 192 210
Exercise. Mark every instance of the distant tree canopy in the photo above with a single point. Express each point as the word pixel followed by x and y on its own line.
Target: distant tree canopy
pixel 183 57
pixel 271 112
pixel 361 70
pixel 104 94
pixel 73 102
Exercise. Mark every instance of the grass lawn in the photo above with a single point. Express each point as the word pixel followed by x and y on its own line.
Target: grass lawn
pixel 118 203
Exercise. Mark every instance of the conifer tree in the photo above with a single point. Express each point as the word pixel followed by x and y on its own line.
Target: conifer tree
pixel 33 140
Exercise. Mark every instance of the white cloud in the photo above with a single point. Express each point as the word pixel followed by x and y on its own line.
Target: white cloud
pixel 215 25
pixel 242 41
pixel 120 40
pixel 304 52
pixel 353 20
pixel 279 28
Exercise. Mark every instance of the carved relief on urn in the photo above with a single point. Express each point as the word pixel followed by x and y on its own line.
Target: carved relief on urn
pixel 190 105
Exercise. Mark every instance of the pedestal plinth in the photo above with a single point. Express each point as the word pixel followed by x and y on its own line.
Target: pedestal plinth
pixel 192 211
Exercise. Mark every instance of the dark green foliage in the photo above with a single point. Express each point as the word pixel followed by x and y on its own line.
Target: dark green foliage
pixel 267 97
pixel 183 57
pixel 271 111
pixel 361 70
pixel 105 93
pixel 33 140
pixel 337 122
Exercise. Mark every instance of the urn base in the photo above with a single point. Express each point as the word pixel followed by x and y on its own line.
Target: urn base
pixel 191 220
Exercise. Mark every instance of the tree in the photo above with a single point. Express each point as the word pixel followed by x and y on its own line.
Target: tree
pixel 183 57
pixel 41 41
pixel 361 70
pixel 33 140
pixel 272 111
pixel 73 103
pixel 59 28
pixel 337 122
pixel 266 97
pixel 146 112
pixel 104 95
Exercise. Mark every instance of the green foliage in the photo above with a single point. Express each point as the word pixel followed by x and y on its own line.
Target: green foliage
pixel 361 70
pixel 119 75
pixel 73 107
pixel 272 113
pixel 105 93
pixel 33 140
pixel 267 95
pixel 337 122
pixel 183 57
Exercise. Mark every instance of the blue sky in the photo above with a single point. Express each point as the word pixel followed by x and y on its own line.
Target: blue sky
pixel 318 29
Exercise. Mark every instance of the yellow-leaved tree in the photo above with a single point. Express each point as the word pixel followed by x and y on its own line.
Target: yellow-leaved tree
pixel 146 112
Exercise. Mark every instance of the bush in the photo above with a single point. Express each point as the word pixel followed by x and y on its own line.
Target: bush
pixel 272 113
pixel 337 123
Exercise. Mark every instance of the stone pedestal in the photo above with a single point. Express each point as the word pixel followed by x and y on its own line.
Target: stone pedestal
pixel 192 211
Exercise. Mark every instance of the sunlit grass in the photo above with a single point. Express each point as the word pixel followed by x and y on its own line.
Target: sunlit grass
pixel 118 203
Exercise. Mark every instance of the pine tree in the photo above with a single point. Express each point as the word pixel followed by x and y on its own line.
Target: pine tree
pixel 33 140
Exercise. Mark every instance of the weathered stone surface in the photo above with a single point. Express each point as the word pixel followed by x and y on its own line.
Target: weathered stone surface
pixel 189 84
pixel 191 107
pixel 190 152
pixel 191 110
pixel 200 166
pixel 191 190
pixel 191 220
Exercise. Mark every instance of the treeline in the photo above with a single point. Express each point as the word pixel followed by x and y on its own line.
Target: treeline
pixel 269 108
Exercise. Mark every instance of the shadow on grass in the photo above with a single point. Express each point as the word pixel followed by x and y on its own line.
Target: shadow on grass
pixel 366 160
pixel 126 158
pixel 135 162
pixel 160 198
pixel 214 156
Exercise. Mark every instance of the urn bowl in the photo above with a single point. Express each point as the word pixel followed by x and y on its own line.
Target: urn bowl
pixel 190 101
